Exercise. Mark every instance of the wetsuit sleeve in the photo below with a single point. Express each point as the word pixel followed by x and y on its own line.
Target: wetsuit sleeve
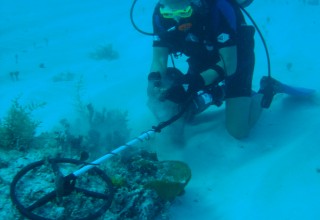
pixel 227 24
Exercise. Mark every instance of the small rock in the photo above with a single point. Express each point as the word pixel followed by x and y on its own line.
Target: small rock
pixel 4 164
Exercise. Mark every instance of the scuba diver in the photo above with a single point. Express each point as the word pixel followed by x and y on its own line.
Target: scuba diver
pixel 219 46
pixel 213 34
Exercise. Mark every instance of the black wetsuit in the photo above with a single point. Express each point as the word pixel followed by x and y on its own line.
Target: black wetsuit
pixel 214 24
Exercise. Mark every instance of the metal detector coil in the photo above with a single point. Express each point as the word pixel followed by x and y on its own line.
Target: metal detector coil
pixel 69 189
pixel 40 191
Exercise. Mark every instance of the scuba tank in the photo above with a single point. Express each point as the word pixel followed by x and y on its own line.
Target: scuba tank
pixel 241 3
pixel 244 3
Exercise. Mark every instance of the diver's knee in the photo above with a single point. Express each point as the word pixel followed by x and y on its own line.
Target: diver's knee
pixel 238 132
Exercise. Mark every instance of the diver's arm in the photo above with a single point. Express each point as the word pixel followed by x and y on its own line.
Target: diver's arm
pixel 228 63
pixel 160 60
pixel 158 65
pixel 228 59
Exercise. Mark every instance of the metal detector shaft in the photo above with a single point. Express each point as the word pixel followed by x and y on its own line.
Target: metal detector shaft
pixel 143 137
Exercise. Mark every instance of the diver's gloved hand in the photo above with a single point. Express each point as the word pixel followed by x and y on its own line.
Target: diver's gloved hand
pixel 196 83
pixel 182 92
pixel 155 85
pixel 155 79
pixel 176 93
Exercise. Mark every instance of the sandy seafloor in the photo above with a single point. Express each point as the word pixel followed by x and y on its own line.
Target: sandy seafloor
pixel 273 174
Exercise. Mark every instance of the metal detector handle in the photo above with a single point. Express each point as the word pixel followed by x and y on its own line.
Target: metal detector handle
pixel 143 137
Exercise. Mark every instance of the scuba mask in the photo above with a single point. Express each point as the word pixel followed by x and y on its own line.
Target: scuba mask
pixel 179 13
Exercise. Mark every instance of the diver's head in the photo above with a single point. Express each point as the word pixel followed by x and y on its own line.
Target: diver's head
pixel 176 8
pixel 175 4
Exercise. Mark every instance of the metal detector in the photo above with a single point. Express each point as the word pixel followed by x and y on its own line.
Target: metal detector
pixel 70 193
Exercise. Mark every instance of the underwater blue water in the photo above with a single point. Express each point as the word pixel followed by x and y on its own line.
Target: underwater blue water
pixel 274 174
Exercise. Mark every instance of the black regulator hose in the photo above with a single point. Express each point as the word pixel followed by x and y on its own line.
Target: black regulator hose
pixel 141 31
pixel 262 39
pixel 134 24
